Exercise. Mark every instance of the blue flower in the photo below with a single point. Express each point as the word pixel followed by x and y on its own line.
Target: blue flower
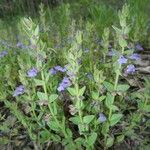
pixel 89 76
pixel 87 50
pixel 130 69
pixel 64 84
pixel 19 90
pixel 122 60
pixel 135 56
pixel 61 88
pixel 52 71
pixel 3 53
pixel 139 47
pixel 102 117
pixel 32 72
pixel 59 68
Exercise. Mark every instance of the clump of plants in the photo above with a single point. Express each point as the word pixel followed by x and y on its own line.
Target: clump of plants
pixel 70 88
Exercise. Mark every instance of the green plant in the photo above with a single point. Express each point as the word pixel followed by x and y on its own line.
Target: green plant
pixel 65 83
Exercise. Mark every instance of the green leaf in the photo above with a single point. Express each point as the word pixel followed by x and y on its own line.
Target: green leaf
pixel 83 128
pixel 115 118
pixel 101 98
pixel 55 138
pixel 129 52
pixel 120 138
pixel 36 32
pixel 53 97
pixel 95 95
pixel 88 119
pixel 117 29
pixel 123 87
pixel 113 107
pixel 72 91
pixel 109 142
pixel 122 42
pixel 146 108
pixel 79 140
pixel 91 139
pixel 45 135
pixel 82 90
pixel 109 100
pixel 38 82
pixel 69 132
pixel 75 120
pixel 42 96
pixel 108 86
pixel 105 128
pixel 54 126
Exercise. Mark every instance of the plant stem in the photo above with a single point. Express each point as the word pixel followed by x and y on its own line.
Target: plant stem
pixel 116 83
pixel 51 110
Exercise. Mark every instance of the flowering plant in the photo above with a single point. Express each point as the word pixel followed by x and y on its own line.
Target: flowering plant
pixel 68 89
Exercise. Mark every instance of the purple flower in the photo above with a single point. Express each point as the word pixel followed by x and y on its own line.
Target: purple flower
pixel 61 88
pixel 18 91
pixel 130 69
pixel 102 117
pixel 52 71
pixel 19 44
pixel 32 72
pixel 122 60
pixel 135 56
pixel 66 81
pixel 3 53
pixel 59 68
pixel 139 47
pixel 64 84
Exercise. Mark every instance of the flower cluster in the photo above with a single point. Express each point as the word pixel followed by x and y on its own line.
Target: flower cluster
pixel 122 60
pixel 59 68
pixel 32 72
pixel 56 69
pixel 139 47
pixel 22 46
pixel 19 90
pixel 102 117
pixel 52 71
pixel 135 56
pixel 130 69
pixel 64 84
pixel 3 53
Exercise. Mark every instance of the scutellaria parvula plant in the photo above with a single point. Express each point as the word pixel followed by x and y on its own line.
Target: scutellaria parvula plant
pixel 71 89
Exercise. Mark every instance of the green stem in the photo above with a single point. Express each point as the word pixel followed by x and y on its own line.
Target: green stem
pixel 50 108
pixel 79 104
pixel 116 83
